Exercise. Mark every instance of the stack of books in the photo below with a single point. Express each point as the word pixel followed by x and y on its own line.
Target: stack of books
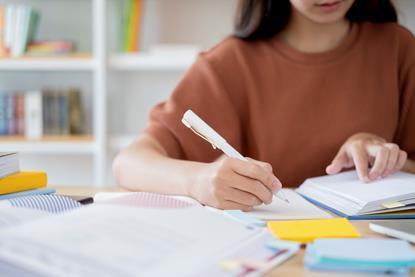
pixel 15 183
pixel 18 24
pixel 38 113
pixel 9 164
pixel 364 256
pixel 131 26
pixel 50 48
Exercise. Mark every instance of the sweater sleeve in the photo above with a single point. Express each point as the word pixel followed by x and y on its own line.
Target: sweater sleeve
pixel 203 91
pixel 406 129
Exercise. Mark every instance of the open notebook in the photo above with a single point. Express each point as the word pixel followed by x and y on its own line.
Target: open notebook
pixel 345 195
pixel 297 208
pixel 129 240
pixel 49 203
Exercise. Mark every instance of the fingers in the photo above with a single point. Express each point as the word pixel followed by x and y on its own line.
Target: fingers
pixel 257 172
pixel 392 160
pixel 403 156
pixel 364 151
pixel 339 162
pixel 360 158
pixel 268 168
pixel 265 165
pixel 253 187
pixel 242 197
pixel 388 160
pixel 230 205
pixel 245 183
pixel 381 160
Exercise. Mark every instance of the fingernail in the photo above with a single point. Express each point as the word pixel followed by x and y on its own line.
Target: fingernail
pixel 276 185
pixel 373 176
pixel 366 179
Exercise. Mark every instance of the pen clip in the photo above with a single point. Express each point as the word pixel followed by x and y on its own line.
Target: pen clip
pixel 202 136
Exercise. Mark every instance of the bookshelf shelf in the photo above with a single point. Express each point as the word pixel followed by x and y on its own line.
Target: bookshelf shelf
pixel 68 63
pixel 74 144
pixel 151 62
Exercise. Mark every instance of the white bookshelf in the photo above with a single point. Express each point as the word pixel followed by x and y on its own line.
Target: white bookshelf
pixel 48 64
pixel 151 62
pixel 74 145
pixel 92 63
pixel 95 30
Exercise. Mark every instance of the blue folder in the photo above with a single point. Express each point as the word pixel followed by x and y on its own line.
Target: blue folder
pixel 408 214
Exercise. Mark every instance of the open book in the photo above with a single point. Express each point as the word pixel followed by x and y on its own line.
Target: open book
pixel 126 240
pixel 346 195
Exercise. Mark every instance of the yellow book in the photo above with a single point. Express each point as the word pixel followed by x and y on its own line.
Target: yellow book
pixel 25 180
pixel 134 25
pixel 308 230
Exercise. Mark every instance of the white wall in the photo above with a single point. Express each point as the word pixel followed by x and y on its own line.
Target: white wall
pixel 406 13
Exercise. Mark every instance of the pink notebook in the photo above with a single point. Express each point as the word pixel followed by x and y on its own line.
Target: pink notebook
pixel 143 199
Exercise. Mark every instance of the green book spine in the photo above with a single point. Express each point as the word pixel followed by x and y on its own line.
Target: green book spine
pixel 126 24
pixel 33 25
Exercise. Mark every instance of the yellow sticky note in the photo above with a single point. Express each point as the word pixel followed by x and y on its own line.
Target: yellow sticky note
pixel 307 230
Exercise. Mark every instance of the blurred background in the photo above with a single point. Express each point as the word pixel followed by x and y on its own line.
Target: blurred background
pixel 78 77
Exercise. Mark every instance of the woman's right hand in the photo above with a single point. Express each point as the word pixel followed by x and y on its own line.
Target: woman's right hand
pixel 232 184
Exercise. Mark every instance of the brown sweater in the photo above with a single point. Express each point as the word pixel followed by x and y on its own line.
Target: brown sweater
pixel 293 109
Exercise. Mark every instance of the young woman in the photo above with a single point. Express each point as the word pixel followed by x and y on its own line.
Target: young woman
pixel 304 87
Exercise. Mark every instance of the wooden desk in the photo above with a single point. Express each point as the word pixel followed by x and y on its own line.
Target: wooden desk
pixel 292 268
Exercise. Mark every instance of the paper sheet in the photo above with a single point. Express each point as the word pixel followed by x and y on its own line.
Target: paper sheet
pixel 297 208
pixel 110 240
pixel 10 216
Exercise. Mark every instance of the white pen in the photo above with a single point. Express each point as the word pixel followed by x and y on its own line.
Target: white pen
pixel 202 129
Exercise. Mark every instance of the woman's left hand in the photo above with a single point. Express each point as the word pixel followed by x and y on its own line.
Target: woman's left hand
pixel 364 150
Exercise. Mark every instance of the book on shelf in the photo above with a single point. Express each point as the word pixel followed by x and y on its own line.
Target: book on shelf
pixel 18 25
pixel 50 48
pixel 37 113
pixel 131 25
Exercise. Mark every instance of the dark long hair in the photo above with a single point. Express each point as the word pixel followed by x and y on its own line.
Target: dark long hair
pixel 258 19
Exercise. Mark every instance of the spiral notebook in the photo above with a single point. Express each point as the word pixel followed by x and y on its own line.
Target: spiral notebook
pixel 144 200
pixel 49 203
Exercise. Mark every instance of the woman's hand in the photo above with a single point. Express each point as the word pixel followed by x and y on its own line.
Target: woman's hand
pixel 232 184
pixel 364 150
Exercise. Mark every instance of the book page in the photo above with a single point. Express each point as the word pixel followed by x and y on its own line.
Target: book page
pixel 10 216
pixel 297 208
pixel 348 186
pixel 110 240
